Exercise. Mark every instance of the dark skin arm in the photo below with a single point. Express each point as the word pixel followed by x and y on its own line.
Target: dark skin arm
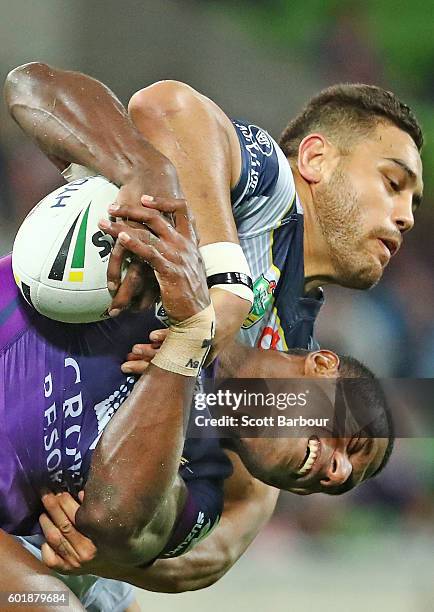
pixel 26 574
pixel 201 142
pixel 134 494
pixel 75 118
pixel 249 504
pixel 67 114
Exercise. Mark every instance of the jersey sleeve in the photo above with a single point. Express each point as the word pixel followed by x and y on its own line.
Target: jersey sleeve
pixel 205 467
pixel 265 191
pixel 201 513
pixel 14 316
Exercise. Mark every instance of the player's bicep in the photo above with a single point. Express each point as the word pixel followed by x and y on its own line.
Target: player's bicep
pixel 153 538
pixel 188 515
pixel 201 142
pixel 248 504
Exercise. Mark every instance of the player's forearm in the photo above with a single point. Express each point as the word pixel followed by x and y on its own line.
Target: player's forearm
pixel 211 559
pixel 198 569
pixel 249 505
pixel 75 118
pixel 230 310
pixel 134 468
pixel 202 144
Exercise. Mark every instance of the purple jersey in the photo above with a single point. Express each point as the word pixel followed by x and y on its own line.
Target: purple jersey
pixel 60 385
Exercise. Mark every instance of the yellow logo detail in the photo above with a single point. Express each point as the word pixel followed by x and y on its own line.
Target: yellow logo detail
pixel 76 276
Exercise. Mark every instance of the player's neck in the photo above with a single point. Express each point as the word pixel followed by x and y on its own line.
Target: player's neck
pixel 239 361
pixel 318 269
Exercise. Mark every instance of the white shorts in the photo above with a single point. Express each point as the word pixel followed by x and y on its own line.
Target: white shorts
pixel 95 594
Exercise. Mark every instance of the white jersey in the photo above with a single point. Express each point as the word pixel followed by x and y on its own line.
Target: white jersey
pixel 269 219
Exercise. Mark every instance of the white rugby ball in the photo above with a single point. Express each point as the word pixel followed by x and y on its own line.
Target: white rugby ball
pixel 60 255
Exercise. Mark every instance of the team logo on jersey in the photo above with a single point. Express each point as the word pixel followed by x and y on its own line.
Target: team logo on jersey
pixel 264 142
pixel 256 140
pixel 263 290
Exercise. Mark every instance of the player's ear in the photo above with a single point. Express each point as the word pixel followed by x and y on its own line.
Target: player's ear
pixel 315 153
pixel 321 363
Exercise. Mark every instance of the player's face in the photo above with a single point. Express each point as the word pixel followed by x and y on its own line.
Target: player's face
pixel 311 460
pixel 367 204
pixel 314 464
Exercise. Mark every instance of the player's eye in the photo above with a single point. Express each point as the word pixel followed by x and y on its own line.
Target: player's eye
pixel 394 185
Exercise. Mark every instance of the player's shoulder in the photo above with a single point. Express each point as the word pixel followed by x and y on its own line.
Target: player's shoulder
pixel 193 111
pixel 264 164
pixel 165 92
pixel 265 192
pixel 171 96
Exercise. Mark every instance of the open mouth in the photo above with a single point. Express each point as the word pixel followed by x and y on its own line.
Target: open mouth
pixel 312 453
pixel 390 245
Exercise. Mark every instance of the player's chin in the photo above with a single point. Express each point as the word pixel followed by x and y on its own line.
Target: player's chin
pixel 363 274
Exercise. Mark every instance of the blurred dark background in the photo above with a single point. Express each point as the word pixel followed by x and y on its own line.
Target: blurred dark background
pixel 261 61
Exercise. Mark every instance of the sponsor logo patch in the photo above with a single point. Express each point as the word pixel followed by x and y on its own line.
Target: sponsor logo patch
pixel 263 291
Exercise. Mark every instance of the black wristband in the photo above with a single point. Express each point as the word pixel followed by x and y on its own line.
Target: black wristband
pixel 230 278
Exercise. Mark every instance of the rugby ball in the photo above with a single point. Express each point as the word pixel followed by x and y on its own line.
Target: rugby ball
pixel 60 256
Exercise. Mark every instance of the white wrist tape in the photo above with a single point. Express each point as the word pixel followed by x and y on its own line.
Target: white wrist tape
pixel 73 172
pixel 227 258
pixel 187 344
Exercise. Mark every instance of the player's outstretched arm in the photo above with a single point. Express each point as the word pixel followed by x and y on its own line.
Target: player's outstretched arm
pixel 201 142
pixel 248 505
pixel 75 118
pixel 134 494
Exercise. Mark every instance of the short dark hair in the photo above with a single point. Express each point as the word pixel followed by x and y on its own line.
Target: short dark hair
pixel 347 110
pixel 363 390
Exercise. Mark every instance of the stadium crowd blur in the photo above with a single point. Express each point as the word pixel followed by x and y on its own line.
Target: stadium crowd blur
pixel 390 328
